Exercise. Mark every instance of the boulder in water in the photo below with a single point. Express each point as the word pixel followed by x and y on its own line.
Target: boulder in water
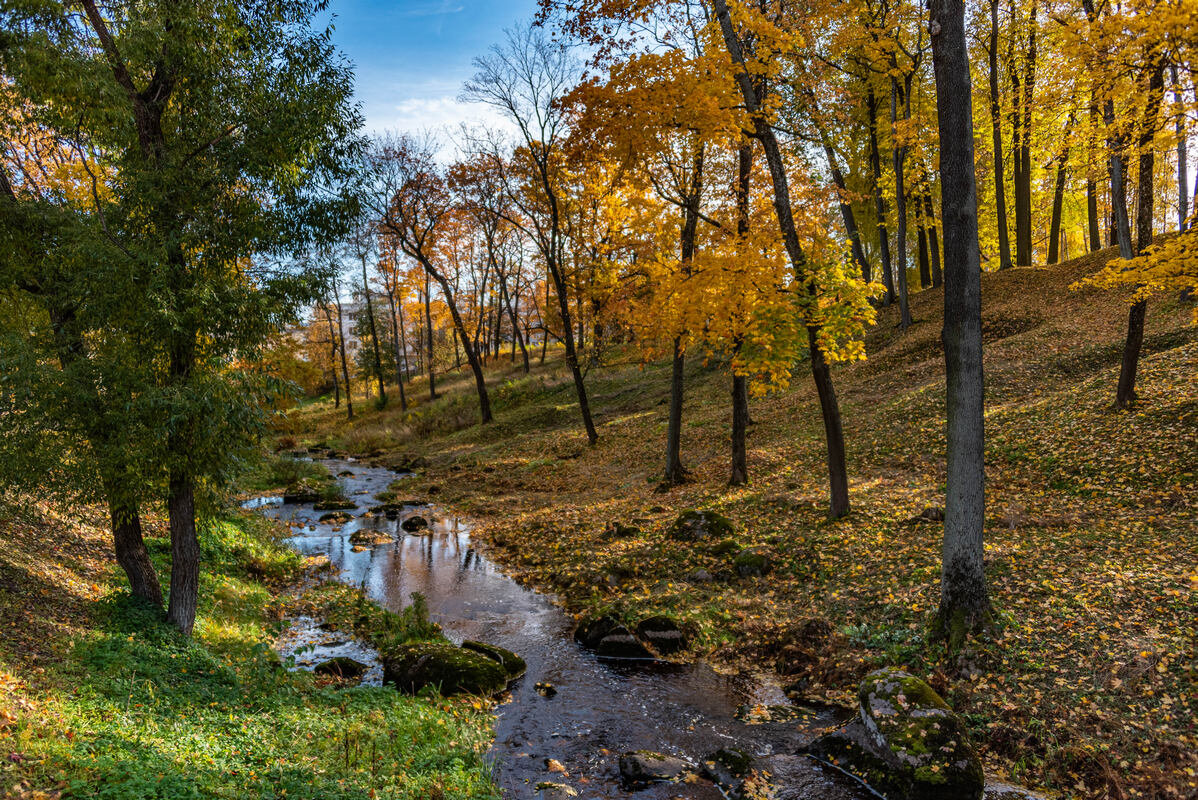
pixel 662 634
pixel 699 525
pixel 620 643
pixel 726 768
pixel 554 791
pixel 906 743
pixel 590 632
pixel 413 524
pixel 334 505
pixel 644 767
pixel 512 664
pixel 452 670
pixel 368 536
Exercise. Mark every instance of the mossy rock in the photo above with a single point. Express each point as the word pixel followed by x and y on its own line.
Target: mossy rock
pixel 752 562
pixel 334 505
pixel 906 742
pixel 698 525
pixel 512 664
pixel 450 669
pixel 367 536
pixel 334 518
pixel 725 547
pixel 618 530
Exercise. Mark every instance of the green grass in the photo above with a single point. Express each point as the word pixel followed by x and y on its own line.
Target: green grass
pixel 137 711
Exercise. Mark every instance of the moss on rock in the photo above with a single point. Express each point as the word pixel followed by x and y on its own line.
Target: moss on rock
pixel 452 670
pixel 512 664
pixel 906 742
pixel 700 525
pixel 752 562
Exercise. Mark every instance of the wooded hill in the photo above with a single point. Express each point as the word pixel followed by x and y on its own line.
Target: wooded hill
pixel 1086 686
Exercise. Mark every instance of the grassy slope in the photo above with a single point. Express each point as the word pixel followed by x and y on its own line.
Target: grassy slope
pixel 98 698
pixel 1092 535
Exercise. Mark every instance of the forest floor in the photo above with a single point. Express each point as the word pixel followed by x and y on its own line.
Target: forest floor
pixel 101 698
pixel 1088 683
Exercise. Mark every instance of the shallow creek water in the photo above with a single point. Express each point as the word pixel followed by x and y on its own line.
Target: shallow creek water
pixel 601 708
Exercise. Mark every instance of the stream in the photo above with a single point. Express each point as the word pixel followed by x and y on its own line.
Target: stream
pixel 601 708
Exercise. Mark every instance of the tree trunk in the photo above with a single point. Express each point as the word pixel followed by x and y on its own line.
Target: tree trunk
pixel 675 473
pixel 130 548
pixel 374 337
pixel 830 409
pixel 180 501
pixel 328 316
pixel 1094 234
pixel 1058 198
pixel 428 318
pixel 185 553
pixel 399 371
pixel 1021 114
pixel 900 209
pixel 472 355
pixel 1183 178
pixel 925 267
pixel 580 389
pixel 933 240
pixel 846 208
pixel 1000 189
pixel 349 395
pixel 875 164
pixel 517 338
pixel 964 601
pixel 740 384
pixel 740 424
pixel 1126 395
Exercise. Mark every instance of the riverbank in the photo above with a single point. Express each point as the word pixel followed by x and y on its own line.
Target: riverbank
pixel 1086 687
pixel 98 697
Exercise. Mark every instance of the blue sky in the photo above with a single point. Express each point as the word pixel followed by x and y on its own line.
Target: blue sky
pixel 411 57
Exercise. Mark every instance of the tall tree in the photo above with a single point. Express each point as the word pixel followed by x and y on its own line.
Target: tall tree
pixel 964 600
pixel 1000 181
pixel 1023 85
pixel 363 246
pixel 526 78
pixel 421 218
pixel 201 111
pixel 830 408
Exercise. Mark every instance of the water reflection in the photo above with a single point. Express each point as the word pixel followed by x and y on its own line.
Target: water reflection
pixel 600 709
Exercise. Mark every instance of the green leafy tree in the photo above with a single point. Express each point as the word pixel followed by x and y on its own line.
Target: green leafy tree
pixel 219 130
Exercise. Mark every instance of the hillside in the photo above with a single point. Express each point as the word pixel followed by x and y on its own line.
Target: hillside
pixel 1092 525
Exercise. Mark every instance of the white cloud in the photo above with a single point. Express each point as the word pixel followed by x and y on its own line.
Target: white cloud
pixel 442 114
